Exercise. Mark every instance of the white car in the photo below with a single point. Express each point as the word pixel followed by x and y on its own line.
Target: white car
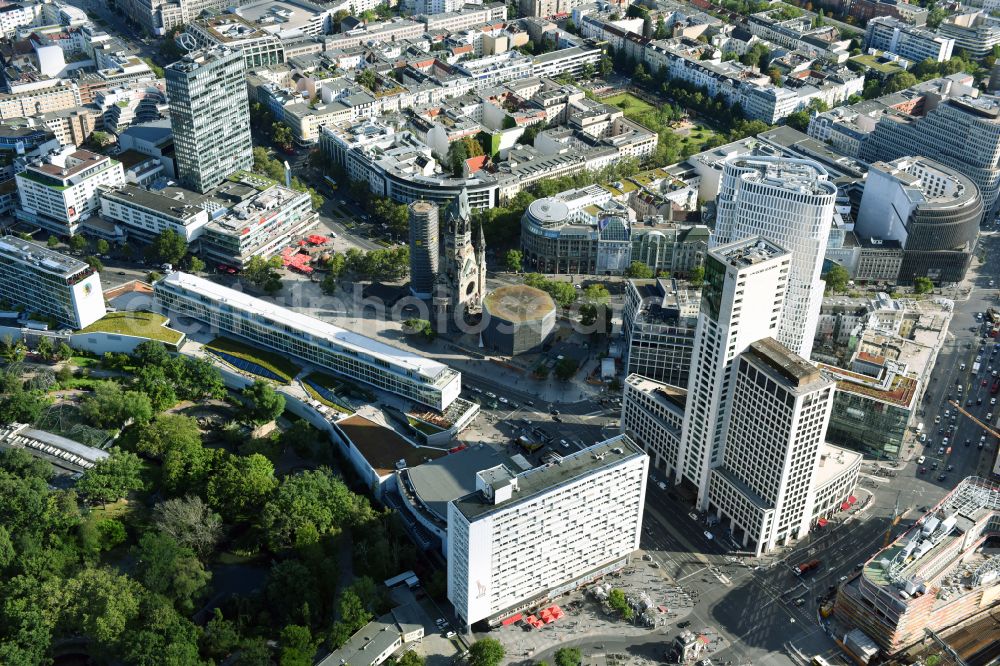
pixel 661 485
pixel 503 400
pixel 708 535
pixel 921 460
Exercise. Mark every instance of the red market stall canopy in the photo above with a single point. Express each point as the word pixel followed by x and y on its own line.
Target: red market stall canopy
pixel 845 506
pixel 317 240
pixel 297 261
pixel 512 619
pixel 822 522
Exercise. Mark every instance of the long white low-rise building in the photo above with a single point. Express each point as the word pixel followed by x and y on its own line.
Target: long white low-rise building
pixel 232 312
pixel 520 540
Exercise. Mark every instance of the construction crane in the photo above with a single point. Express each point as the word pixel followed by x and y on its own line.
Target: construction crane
pixel 979 423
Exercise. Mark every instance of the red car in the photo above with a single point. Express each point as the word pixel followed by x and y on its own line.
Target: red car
pixel 985 382
pixel 922 470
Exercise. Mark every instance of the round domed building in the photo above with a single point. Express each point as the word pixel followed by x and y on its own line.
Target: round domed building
pixel 517 319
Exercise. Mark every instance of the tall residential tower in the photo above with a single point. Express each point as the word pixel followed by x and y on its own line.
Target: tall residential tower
pixel 742 302
pixel 210 117
pixel 789 202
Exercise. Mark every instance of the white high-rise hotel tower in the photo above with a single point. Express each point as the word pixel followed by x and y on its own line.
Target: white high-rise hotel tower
pixel 789 202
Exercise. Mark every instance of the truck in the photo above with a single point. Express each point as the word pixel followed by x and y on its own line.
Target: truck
pixel 806 567
pixel 975 367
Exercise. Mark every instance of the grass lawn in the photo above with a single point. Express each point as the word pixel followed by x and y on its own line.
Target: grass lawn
pixel 872 62
pixel 139 324
pixel 695 141
pixel 630 104
pixel 276 363
pixel 83 361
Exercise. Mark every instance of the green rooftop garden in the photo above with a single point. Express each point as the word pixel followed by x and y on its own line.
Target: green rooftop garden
pixel 872 62
pixel 139 324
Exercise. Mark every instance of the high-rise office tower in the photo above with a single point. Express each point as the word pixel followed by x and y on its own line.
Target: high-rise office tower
pixel 210 116
pixel 789 202
pixel 774 431
pixel 424 251
pixel 742 302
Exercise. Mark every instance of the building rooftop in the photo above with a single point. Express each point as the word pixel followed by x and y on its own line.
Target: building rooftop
pixel 659 390
pixel 41 257
pixel 786 363
pixel 896 389
pixel 452 476
pixel 178 204
pixel 547 477
pixel 405 361
pixel 797 175
pixel 833 462
pixel 913 562
pixel 382 447
pixel 748 252
pixel 194 60
pixel 371 640
pixel 519 303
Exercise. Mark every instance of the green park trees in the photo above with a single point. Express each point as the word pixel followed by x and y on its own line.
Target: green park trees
pixel 486 652
pixel 836 279
pixel 112 478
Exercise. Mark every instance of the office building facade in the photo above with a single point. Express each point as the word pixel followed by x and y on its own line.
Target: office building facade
pixel 789 202
pixel 48 284
pixel 658 325
pixel 231 312
pixel 653 416
pixel 933 211
pixel 775 427
pixel 961 132
pixel 210 117
pixel 742 301
pixel 424 249
pixel 521 540
pixel 916 44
